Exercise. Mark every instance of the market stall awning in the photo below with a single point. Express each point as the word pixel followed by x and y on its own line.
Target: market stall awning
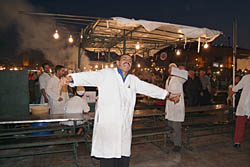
pixel 122 35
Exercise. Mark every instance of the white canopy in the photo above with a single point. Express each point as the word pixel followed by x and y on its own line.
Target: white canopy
pixel 188 32
pixel 121 35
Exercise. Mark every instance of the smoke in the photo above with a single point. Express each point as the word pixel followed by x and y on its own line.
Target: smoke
pixel 36 33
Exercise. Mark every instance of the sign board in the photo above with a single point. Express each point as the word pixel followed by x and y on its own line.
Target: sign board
pixel 14 90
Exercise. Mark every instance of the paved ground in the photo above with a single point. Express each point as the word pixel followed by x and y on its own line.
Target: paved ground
pixel 212 151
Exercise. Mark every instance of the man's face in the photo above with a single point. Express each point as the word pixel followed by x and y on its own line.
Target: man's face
pixel 237 79
pixel 125 63
pixel 202 73
pixel 60 73
pixel 190 73
pixel 47 68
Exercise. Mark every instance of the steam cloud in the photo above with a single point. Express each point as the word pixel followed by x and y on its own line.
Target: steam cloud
pixel 36 33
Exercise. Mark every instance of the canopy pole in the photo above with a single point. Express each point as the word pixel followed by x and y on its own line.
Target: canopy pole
pixel 109 56
pixel 234 53
pixel 79 50
pixel 124 42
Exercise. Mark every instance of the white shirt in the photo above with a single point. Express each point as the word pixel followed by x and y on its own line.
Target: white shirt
pixel 112 132
pixel 43 81
pixel 243 108
pixel 76 104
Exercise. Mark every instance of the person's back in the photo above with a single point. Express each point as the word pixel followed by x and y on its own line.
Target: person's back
pixel 206 89
pixel 243 109
pixel 244 102
pixel 77 104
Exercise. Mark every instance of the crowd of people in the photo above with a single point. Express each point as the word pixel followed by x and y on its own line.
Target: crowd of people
pixel 117 97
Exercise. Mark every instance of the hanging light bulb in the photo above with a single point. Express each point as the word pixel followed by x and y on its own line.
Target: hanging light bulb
pixel 206 46
pixel 56 35
pixel 71 40
pixel 137 46
pixel 178 52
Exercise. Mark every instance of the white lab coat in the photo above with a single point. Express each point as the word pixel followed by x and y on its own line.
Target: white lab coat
pixel 43 81
pixel 53 91
pixel 78 105
pixel 243 108
pixel 175 112
pixel 112 132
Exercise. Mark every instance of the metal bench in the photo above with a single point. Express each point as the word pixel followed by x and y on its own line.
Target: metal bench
pixel 205 123
pixel 152 135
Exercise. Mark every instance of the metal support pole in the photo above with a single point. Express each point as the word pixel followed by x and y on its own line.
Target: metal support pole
pixel 234 53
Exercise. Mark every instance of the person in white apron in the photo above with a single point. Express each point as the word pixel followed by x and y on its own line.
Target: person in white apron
pixel 112 134
pixel 54 91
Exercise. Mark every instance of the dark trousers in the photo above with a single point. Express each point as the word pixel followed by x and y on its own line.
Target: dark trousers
pixel 115 162
pixel 206 98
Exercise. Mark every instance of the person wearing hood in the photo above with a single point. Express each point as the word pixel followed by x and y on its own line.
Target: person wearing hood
pixel 112 134
pixel 175 111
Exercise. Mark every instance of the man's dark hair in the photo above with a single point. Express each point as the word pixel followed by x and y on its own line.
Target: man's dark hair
pixel 203 69
pixel 119 57
pixel 58 68
pixel 44 64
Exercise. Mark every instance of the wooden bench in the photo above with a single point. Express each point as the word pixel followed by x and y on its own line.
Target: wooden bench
pixel 26 137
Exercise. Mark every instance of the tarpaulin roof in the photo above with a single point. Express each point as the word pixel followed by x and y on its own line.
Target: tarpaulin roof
pixel 121 35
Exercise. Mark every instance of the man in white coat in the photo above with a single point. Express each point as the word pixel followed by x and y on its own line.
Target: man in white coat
pixel 175 111
pixel 43 81
pixel 243 109
pixel 112 134
pixel 54 91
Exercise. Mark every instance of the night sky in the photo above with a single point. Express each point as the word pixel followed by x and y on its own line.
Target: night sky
pixel 212 14
pixel 218 15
